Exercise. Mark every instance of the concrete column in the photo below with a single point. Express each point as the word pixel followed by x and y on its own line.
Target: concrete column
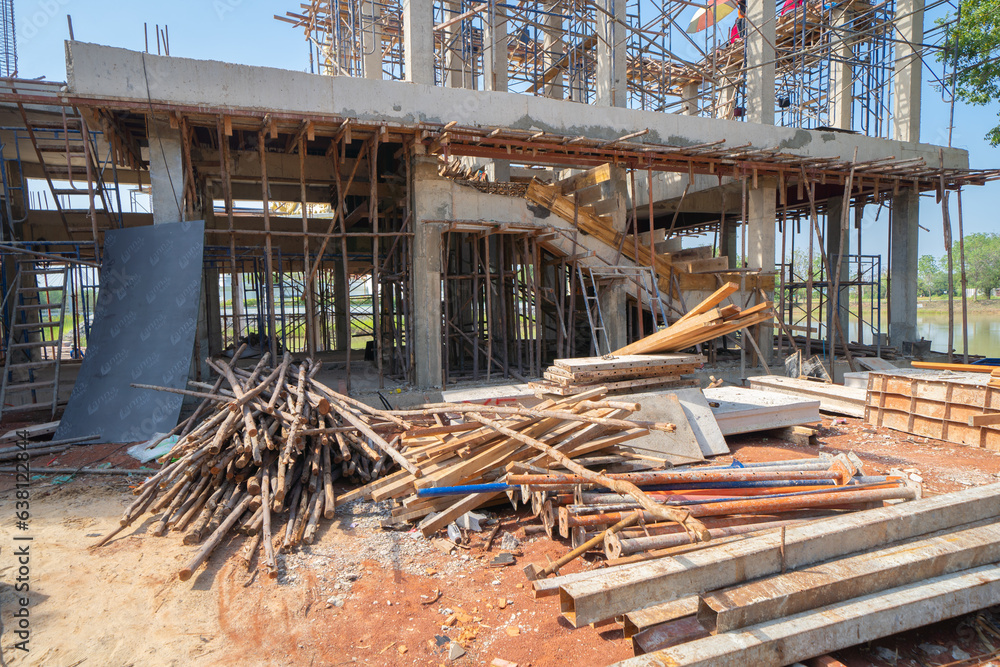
pixel 418 41
pixel 690 106
pixel 906 84
pixel 427 324
pixel 371 39
pixel 166 172
pixel 834 231
pixel 761 216
pixel 760 39
pixel 612 87
pixel 903 268
pixel 495 43
pixel 614 297
pixel 341 307
pixel 841 73
pixel 554 47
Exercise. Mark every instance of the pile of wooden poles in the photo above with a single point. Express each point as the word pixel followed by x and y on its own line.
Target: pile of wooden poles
pixel 272 447
pixel 266 445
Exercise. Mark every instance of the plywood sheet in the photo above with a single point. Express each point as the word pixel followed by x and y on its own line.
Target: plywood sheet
pixel 144 328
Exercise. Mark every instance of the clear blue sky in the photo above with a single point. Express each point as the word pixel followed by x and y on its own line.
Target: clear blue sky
pixel 243 31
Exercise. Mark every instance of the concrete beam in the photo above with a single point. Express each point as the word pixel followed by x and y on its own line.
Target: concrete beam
pixel 97 72
pixel 827 629
pixel 640 585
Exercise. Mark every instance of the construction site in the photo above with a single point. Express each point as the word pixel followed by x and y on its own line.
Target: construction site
pixel 576 332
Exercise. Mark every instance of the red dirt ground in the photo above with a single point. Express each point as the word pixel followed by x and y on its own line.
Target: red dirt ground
pixel 226 615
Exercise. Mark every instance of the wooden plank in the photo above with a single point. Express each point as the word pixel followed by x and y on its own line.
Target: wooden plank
pixel 431 525
pixel 717 297
pixel 709 265
pixel 587 380
pixel 957 368
pixel 33 431
pixel 616 386
pixel 585 179
pixel 594 364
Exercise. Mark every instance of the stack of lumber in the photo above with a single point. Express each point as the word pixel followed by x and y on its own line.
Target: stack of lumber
pixel 795 592
pixel 704 322
pixel 624 373
pixel 269 447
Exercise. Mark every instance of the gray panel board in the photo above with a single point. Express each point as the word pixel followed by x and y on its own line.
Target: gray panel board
pixel 144 327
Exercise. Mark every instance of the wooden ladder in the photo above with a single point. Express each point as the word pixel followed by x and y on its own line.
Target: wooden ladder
pixel 31 365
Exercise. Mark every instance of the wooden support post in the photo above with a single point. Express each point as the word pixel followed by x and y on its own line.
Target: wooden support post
pixel 268 250
pixel 308 278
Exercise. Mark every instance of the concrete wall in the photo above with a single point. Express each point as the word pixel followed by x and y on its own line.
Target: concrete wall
pixel 106 72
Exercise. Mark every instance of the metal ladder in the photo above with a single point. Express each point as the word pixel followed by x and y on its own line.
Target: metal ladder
pixel 61 146
pixel 31 348
pixel 644 279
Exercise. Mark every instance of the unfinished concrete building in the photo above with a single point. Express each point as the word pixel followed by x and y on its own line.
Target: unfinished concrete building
pixel 468 191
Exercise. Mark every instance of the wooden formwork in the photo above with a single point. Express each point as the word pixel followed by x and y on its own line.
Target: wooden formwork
pixel 935 405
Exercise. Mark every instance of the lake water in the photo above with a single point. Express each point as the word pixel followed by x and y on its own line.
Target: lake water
pixel 984 332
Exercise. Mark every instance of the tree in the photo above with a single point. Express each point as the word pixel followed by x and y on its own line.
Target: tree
pixel 982 262
pixel 973 45
pixel 931 277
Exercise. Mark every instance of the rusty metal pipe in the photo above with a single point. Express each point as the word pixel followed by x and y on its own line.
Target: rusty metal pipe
pixel 670 477
pixel 757 505
pixel 617 546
